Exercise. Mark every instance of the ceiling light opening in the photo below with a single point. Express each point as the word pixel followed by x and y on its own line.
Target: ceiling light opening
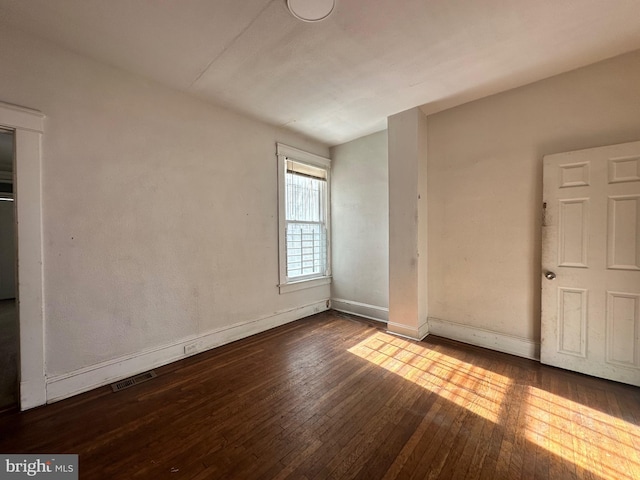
pixel 311 10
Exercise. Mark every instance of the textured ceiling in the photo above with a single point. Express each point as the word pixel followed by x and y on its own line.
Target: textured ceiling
pixel 338 79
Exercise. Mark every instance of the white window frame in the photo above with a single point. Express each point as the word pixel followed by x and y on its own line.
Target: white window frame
pixel 283 153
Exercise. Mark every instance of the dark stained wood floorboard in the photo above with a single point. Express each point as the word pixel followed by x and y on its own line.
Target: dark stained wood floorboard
pixel 332 397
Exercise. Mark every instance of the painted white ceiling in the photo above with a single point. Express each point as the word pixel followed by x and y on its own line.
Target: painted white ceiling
pixel 338 79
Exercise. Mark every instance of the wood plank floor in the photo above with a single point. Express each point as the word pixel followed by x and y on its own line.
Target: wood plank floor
pixel 332 396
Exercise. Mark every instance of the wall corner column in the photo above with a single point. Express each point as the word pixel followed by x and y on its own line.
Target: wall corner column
pixel 408 260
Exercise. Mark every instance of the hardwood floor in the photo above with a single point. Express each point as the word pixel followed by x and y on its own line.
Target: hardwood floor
pixel 333 396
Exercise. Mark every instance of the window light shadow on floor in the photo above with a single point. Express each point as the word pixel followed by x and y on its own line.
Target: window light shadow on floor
pixel 594 442
pixel 473 388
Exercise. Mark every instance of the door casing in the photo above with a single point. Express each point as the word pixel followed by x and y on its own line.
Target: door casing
pixel 28 127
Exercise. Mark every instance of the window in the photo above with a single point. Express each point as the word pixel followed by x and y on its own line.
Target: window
pixel 303 186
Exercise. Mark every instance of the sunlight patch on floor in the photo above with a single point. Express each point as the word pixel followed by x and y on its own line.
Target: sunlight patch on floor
pixel 590 439
pixel 479 390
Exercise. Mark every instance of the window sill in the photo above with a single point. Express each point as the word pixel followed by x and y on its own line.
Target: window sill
pixel 303 284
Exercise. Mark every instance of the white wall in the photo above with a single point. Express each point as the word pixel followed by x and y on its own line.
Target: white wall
pixel 360 226
pixel 160 211
pixel 485 188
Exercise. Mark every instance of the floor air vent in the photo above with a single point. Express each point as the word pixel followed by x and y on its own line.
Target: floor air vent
pixel 131 381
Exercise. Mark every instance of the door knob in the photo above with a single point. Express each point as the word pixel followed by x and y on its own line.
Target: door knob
pixel 550 275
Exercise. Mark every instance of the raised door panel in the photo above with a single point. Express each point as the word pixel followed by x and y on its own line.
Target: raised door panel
pixel 625 169
pixel 573 233
pixel 623 329
pixel 572 321
pixel 573 175
pixel 623 248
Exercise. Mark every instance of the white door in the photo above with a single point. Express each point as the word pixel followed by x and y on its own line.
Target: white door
pixel 591 262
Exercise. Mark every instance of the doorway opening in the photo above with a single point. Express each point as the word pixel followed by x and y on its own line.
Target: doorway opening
pixel 9 326
pixel 27 127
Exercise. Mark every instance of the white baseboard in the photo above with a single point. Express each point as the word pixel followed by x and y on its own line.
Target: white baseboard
pixel 409 332
pixel 372 312
pixel 84 379
pixel 480 337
